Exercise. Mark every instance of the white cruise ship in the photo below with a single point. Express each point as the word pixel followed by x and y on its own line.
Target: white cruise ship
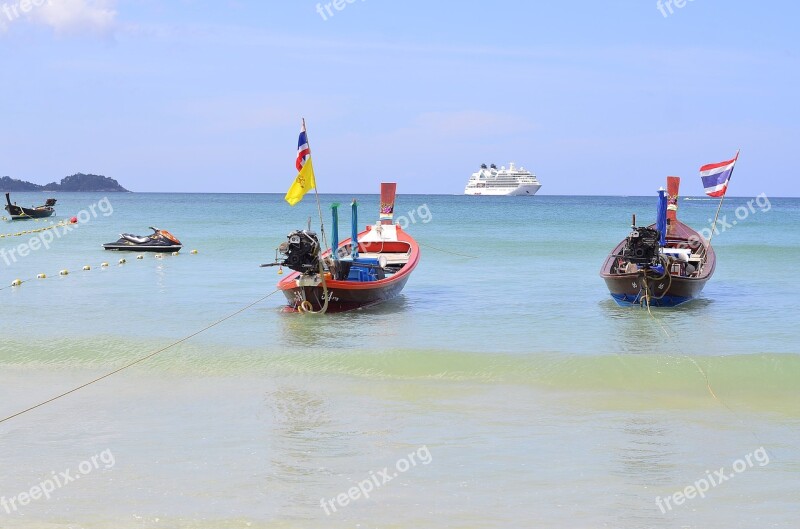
pixel 493 181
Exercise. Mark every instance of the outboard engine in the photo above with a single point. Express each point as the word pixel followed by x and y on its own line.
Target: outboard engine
pixel 642 247
pixel 301 251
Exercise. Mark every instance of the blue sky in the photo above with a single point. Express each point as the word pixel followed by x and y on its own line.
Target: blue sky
pixel 596 97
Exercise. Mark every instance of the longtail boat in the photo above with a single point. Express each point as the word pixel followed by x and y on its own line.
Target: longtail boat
pixel 36 212
pixel 661 265
pixel 370 267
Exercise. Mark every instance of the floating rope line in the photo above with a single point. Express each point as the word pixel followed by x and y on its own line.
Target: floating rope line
pixel 19 282
pixel 138 361
pixel 38 230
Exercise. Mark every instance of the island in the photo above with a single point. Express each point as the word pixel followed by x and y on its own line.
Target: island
pixel 79 182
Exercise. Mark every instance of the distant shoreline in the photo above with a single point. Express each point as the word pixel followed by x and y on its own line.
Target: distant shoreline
pixel 78 182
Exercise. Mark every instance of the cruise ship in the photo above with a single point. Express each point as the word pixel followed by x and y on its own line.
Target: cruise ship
pixel 493 181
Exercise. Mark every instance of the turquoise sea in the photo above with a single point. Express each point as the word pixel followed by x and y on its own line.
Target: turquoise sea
pixel 526 396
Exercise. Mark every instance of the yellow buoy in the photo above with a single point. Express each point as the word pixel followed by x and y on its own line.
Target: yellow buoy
pixel 16 283
pixel 122 261
pixel 159 256
pixel 41 276
pixel 194 252
pixel 87 268
pixel 175 254
pixel 104 265
pixel 64 273
pixel 140 256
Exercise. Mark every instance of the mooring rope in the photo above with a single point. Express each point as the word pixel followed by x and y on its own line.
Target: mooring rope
pixel 447 251
pixel 139 360
pixel 709 387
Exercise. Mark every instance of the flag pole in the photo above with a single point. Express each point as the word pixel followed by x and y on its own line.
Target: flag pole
pixel 714 226
pixel 316 193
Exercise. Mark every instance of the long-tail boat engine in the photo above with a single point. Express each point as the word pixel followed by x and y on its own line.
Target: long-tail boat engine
pixel 642 247
pixel 301 252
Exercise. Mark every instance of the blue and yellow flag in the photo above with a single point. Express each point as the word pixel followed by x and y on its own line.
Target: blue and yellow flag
pixel 304 182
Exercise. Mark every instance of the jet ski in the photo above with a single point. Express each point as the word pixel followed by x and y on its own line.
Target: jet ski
pixel 158 241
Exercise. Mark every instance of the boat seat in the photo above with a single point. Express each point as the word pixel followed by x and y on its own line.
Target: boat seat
pixel 135 238
pixel 680 254
pixel 361 270
pixel 391 258
pixel 384 247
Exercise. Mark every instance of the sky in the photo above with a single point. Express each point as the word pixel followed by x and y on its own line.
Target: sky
pixel 595 97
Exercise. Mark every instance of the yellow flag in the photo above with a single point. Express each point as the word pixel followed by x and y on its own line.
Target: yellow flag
pixel 302 184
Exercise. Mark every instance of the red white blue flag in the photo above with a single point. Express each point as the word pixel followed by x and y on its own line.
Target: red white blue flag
pixel 716 177
pixel 303 151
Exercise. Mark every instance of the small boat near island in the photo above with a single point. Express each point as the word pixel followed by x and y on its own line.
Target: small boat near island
pixel 158 241
pixel 370 267
pixel 35 212
pixel 661 265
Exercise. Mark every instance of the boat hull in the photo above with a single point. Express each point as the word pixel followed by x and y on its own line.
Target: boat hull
pixel 629 289
pixel 523 190
pixel 346 295
pixel 20 213
pixel 342 298
pixel 141 248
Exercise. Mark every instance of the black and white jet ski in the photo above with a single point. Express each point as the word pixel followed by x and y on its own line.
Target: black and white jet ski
pixel 159 241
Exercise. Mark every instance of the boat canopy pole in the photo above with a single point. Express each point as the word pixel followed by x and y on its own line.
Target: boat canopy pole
pixel 354 228
pixel 335 234
pixel 661 220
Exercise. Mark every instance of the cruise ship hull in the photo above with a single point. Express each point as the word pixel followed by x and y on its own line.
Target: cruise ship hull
pixel 528 190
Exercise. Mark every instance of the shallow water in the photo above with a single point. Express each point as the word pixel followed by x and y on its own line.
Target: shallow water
pixel 541 402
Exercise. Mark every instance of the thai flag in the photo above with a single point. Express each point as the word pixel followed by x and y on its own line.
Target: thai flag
pixel 716 177
pixel 303 150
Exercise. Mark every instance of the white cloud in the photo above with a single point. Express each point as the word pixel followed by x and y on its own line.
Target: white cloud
pixel 63 16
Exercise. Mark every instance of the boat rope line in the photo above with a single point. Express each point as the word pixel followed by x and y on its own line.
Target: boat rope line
pixel 305 307
pixel 692 360
pixel 139 360
pixel 675 341
pixel 447 251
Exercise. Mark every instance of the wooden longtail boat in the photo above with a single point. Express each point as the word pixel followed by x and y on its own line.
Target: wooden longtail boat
pixel 646 268
pixel 37 212
pixel 368 268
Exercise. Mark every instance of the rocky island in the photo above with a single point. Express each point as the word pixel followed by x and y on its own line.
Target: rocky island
pixel 79 182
